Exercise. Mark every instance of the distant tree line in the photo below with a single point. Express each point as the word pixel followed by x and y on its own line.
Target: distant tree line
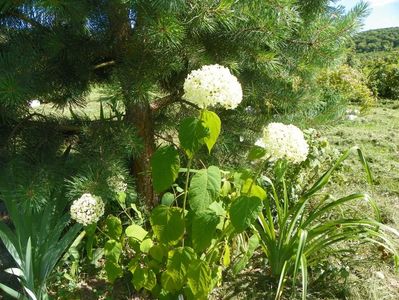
pixel 377 40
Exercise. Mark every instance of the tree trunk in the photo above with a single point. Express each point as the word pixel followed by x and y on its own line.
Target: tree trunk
pixel 138 111
pixel 140 115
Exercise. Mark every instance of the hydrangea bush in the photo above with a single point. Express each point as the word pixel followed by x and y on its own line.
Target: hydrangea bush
pixel 192 236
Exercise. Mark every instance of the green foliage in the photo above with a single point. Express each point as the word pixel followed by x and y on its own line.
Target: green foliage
pixel 37 242
pixel 269 46
pixel 349 83
pixel 204 224
pixel 183 251
pixel 244 211
pixel 204 188
pixel 192 134
pixel 377 40
pixel 384 80
pixel 165 164
pixel 305 236
pixel 212 122
pixel 168 224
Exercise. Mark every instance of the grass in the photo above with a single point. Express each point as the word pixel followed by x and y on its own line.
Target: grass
pixel 376 131
pixel 368 273
pixel 90 110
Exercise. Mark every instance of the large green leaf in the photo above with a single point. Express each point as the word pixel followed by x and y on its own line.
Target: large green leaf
pixel 168 224
pixel 192 134
pixel 256 152
pixel 114 227
pixel 179 260
pixel 168 199
pixel 244 211
pixel 204 188
pixel 203 229
pixel 199 280
pixel 250 188
pixel 112 250
pixel 136 232
pixel 165 165
pixel 253 243
pixel 212 122
pixel 144 278
pixel 113 270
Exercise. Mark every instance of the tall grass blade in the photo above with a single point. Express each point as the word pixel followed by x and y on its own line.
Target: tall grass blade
pixel 304 269
pixel 13 293
pixel 9 242
pixel 281 282
pixel 301 245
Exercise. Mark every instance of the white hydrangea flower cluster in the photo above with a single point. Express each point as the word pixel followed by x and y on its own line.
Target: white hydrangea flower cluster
pixel 34 103
pixel 88 209
pixel 284 142
pixel 213 85
pixel 117 183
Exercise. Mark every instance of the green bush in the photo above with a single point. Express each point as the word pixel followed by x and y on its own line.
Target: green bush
pixel 349 83
pixel 384 80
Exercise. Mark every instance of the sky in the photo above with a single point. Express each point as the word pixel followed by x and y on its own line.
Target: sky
pixel 384 13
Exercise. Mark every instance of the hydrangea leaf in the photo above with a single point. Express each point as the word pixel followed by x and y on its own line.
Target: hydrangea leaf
pixel 199 279
pixel 114 227
pixel 179 260
pixel 136 232
pixel 256 152
pixel 144 278
pixel 226 255
pixel 158 252
pixel 251 189
pixel 113 270
pixel 112 250
pixel 203 229
pixel 244 211
pixel 192 133
pixel 168 199
pixel 204 188
pixel 146 245
pixel 212 122
pixel 165 165
pixel 168 224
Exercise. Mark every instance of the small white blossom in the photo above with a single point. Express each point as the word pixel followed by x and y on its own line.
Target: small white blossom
pixel 34 103
pixel 352 117
pixel 117 183
pixel 87 210
pixel 380 275
pixel 284 142
pixel 213 85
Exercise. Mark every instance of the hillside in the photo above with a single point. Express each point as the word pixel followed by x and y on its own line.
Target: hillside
pixel 377 40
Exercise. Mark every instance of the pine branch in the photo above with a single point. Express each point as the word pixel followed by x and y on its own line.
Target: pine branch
pixel 19 15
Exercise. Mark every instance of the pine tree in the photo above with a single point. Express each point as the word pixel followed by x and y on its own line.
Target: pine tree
pixel 56 50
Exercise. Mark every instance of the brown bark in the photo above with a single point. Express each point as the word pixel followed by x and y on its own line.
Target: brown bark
pixel 138 111
pixel 140 115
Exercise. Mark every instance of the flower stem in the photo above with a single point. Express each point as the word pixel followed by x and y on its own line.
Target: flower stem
pixel 186 190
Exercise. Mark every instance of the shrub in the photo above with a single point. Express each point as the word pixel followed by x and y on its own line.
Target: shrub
pixel 348 82
pixel 384 80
